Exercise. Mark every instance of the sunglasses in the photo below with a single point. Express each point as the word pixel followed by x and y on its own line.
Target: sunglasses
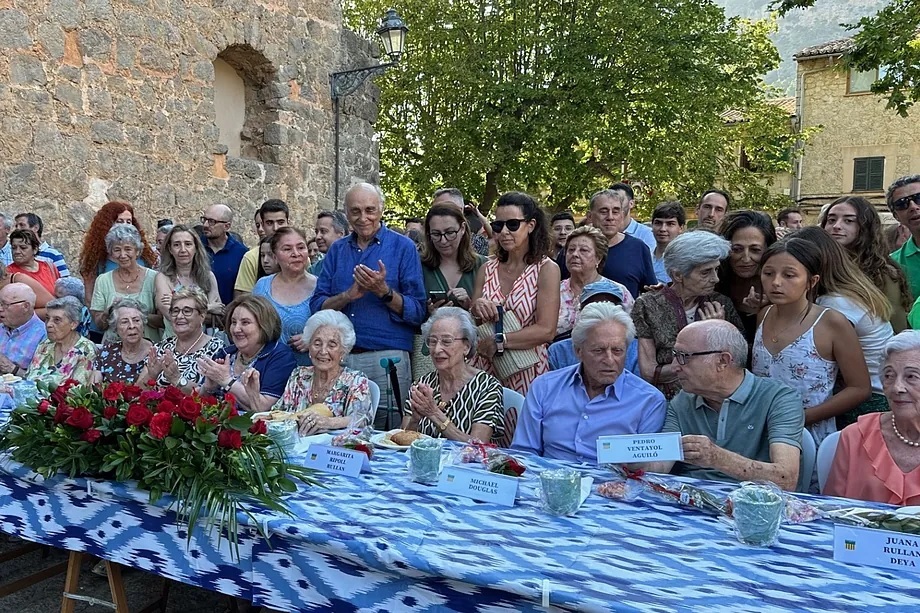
pixel 513 225
pixel 902 204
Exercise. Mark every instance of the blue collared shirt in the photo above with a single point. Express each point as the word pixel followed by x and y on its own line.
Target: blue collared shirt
pixel 376 326
pixel 226 264
pixel 19 344
pixel 6 254
pixel 559 421
pixel 642 232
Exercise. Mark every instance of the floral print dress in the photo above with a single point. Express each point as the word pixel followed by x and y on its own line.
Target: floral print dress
pixel 76 364
pixel 349 396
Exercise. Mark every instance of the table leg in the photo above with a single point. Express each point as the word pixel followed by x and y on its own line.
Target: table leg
pixel 117 587
pixel 72 581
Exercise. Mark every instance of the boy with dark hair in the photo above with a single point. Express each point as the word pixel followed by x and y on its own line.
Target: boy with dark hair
pixel 668 220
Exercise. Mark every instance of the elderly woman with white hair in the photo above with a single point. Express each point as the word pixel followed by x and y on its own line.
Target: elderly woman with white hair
pixel 346 392
pixel 878 457
pixel 124 360
pixel 64 354
pixel 128 280
pixel 456 400
pixel 692 260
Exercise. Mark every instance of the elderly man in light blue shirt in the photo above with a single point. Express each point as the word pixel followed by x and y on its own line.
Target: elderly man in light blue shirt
pixel 567 410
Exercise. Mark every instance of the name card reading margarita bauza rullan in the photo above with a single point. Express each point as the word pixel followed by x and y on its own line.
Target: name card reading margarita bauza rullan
pixel 628 448
pixel 479 485
pixel 337 460
pixel 891 550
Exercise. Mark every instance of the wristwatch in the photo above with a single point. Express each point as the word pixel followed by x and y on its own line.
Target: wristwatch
pixel 500 331
pixel 387 298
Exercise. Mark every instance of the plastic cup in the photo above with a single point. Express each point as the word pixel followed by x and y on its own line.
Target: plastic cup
pixel 560 491
pixel 758 513
pixel 425 460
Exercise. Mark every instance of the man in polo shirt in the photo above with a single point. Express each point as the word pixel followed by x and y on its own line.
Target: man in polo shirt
pixel 273 214
pixel 903 199
pixel 374 276
pixel 46 253
pixel 735 426
pixel 226 253
pixel 566 410
pixel 20 328
pixel 629 225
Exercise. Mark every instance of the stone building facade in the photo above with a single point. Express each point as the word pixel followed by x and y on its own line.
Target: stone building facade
pixel 120 99
pixel 862 146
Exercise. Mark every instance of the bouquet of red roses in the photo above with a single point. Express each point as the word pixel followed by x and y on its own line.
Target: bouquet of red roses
pixel 195 448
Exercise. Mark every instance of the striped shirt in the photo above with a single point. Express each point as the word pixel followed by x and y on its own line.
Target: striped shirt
pixel 47 253
pixel 19 344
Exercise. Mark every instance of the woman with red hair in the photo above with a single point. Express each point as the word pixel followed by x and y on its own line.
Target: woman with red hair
pixel 94 259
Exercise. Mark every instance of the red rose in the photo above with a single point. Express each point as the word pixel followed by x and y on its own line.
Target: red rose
pixel 80 418
pixel 230 398
pixel 160 425
pixel 166 406
pixel 230 439
pixel 173 394
pixel 109 412
pixel 91 436
pixel 210 400
pixel 258 427
pixel 113 391
pixel 151 395
pixel 132 392
pixel 189 409
pixel 138 415
pixel 43 406
pixel 62 413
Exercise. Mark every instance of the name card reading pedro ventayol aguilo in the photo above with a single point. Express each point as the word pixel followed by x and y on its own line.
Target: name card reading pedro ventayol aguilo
pixel 337 460
pixel 895 551
pixel 628 448
pixel 479 485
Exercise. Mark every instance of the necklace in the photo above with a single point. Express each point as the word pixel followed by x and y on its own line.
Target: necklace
pixel 775 337
pixel 190 347
pixel 132 358
pixel 127 284
pixel 903 438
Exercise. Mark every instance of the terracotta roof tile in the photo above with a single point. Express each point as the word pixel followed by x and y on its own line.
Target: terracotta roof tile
pixel 833 47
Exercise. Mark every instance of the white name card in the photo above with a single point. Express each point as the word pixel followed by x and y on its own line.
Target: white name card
pixel 479 485
pixel 628 448
pixel 891 550
pixel 337 460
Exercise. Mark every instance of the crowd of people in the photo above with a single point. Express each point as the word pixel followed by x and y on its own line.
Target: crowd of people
pixel 744 336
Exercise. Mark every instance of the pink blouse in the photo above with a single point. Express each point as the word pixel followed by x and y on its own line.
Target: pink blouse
pixel 863 468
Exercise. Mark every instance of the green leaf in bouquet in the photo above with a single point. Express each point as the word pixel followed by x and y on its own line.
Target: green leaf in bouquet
pixel 171 443
pixel 240 422
pixel 178 428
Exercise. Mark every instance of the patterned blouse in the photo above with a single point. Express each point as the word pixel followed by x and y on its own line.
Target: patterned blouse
pixel 76 364
pixel 109 362
pixel 479 401
pixel 350 395
pixel 570 304
pixel 188 363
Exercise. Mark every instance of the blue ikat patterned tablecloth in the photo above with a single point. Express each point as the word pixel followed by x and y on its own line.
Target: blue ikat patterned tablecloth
pixel 382 543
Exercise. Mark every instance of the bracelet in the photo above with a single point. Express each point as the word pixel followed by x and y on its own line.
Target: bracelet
pixel 226 388
pixel 445 425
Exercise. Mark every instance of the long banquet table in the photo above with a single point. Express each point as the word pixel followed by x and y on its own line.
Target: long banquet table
pixel 379 542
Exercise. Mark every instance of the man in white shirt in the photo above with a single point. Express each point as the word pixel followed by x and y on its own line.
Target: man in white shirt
pixel 6 254
pixel 631 226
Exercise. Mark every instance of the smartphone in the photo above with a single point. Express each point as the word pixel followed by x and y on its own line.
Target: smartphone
pixel 436 295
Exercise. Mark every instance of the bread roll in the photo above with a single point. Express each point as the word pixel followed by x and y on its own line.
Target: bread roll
pixel 405 437
pixel 320 410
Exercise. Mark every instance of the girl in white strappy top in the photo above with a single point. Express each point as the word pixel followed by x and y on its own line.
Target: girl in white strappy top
pixel 805 345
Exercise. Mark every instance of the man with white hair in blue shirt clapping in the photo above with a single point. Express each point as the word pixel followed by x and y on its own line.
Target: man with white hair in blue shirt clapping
pixel 566 410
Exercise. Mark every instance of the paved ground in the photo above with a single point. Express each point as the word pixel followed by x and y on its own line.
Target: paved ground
pixel 142 588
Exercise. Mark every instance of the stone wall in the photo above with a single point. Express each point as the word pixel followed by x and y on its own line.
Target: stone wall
pixel 114 99
pixel 853 125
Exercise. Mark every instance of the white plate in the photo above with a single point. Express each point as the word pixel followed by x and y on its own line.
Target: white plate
pixel 8 378
pixel 379 439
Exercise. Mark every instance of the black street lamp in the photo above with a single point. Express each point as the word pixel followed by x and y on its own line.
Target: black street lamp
pixel 392 32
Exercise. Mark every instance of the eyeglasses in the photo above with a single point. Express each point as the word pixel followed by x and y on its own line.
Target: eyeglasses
pixel 513 225
pixel 446 341
pixel 683 356
pixel 6 305
pixel 207 221
pixel 184 311
pixel 439 236
pixel 902 204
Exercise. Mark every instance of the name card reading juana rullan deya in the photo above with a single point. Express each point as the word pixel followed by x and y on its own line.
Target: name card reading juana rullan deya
pixel 892 550
pixel 627 448
pixel 337 460
pixel 479 485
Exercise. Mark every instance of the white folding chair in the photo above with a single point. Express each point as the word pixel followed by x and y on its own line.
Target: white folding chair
pixel 375 399
pixel 826 458
pixel 807 464
pixel 512 402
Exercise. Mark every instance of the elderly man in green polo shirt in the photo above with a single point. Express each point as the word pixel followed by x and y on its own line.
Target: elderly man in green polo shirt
pixel 903 199
pixel 735 426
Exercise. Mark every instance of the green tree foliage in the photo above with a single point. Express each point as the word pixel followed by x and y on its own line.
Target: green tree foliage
pixel 562 97
pixel 888 39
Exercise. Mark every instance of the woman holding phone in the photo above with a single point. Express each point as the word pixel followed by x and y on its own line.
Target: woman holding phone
pixel 449 264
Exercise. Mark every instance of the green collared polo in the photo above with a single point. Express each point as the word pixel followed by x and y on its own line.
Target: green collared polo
pixel 908 258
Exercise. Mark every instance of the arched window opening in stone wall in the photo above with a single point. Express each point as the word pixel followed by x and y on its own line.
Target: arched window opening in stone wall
pixel 254 77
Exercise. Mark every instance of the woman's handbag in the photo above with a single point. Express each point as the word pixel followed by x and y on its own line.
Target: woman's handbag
pixel 512 360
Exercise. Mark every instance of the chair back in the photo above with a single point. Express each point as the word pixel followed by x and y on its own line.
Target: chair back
pixel 512 402
pixel 807 463
pixel 375 399
pixel 826 457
